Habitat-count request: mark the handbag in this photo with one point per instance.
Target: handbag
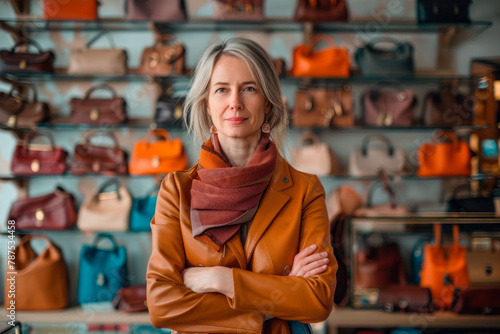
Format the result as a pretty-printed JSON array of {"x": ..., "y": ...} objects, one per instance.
[
  {"x": 297, "y": 327},
  {"x": 163, "y": 58},
  {"x": 169, "y": 110},
  {"x": 98, "y": 61},
  {"x": 444, "y": 267},
  {"x": 469, "y": 204},
  {"x": 369, "y": 160},
  {"x": 321, "y": 11},
  {"x": 397, "y": 60},
  {"x": 239, "y": 10},
  {"x": 40, "y": 280},
  {"x": 131, "y": 299},
  {"x": 407, "y": 298},
  {"x": 323, "y": 107},
  {"x": 70, "y": 9},
  {"x": 476, "y": 300},
  {"x": 483, "y": 263},
  {"x": 54, "y": 211},
  {"x": 92, "y": 159},
  {"x": 102, "y": 271},
  {"x": 388, "y": 108},
  {"x": 443, "y": 108},
  {"x": 106, "y": 211},
  {"x": 156, "y": 10},
  {"x": 315, "y": 158},
  {"x": 32, "y": 159},
  {"x": 444, "y": 158},
  {"x": 157, "y": 157},
  {"x": 91, "y": 110},
  {"x": 449, "y": 11},
  {"x": 19, "y": 62},
  {"x": 332, "y": 61},
  {"x": 143, "y": 210},
  {"x": 18, "y": 110}
]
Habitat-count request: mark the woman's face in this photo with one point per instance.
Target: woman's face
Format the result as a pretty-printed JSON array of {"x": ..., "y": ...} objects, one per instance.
[{"x": 235, "y": 101}]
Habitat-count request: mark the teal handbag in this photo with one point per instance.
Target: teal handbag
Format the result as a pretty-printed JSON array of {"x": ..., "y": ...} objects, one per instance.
[
  {"x": 297, "y": 327},
  {"x": 102, "y": 271},
  {"x": 143, "y": 210}
]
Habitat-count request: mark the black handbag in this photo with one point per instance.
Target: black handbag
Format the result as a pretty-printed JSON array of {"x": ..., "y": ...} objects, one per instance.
[
  {"x": 469, "y": 203},
  {"x": 374, "y": 60},
  {"x": 169, "y": 110},
  {"x": 443, "y": 11}
]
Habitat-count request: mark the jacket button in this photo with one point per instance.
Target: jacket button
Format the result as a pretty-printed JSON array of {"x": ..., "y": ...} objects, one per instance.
[{"x": 285, "y": 179}]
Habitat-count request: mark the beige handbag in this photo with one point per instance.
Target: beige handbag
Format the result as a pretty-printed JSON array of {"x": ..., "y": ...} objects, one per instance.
[
  {"x": 106, "y": 211},
  {"x": 98, "y": 61},
  {"x": 483, "y": 262},
  {"x": 369, "y": 161},
  {"x": 315, "y": 158}
]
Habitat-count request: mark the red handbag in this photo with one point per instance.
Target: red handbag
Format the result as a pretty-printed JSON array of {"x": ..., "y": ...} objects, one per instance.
[
  {"x": 321, "y": 10},
  {"x": 70, "y": 9},
  {"x": 131, "y": 299},
  {"x": 55, "y": 211},
  {"x": 32, "y": 159}
]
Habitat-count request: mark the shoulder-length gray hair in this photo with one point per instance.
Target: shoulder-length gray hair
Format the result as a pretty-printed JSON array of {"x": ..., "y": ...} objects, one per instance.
[{"x": 261, "y": 66}]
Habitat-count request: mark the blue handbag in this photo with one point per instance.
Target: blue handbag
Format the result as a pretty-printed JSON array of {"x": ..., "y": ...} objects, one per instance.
[
  {"x": 102, "y": 271},
  {"x": 143, "y": 210},
  {"x": 297, "y": 327}
]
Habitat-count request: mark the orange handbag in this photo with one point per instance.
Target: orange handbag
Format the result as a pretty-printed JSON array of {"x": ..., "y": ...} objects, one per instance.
[
  {"x": 438, "y": 158},
  {"x": 70, "y": 10},
  {"x": 332, "y": 61},
  {"x": 444, "y": 268},
  {"x": 157, "y": 157}
]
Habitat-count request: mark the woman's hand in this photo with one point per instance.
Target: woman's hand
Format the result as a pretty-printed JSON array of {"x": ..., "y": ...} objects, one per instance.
[
  {"x": 209, "y": 279},
  {"x": 306, "y": 263}
]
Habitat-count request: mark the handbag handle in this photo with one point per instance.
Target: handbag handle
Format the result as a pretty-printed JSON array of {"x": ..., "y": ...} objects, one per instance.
[
  {"x": 108, "y": 134},
  {"x": 383, "y": 139},
  {"x": 437, "y": 234},
  {"x": 27, "y": 42},
  {"x": 157, "y": 133},
  {"x": 447, "y": 135},
  {"x": 102, "y": 236},
  {"x": 307, "y": 135},
  {"x": 318, "y": 38},
  {"x": 100, "y": 87},
  {"x": 372, "y": 44},
  {"x": 29, "y": 237},
  {"x": 98, "y": 36},
  {"x": 384, "y": 182},
  {"x": 17, "y": 85},
  {"x": 111, "y": 182},
  {"x": 32, "y": 135}
]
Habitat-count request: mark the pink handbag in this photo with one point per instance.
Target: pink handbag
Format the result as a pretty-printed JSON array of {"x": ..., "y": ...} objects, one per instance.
[
  {"x": 316, "y": 158},
  {"x": 389, "y": 108}
]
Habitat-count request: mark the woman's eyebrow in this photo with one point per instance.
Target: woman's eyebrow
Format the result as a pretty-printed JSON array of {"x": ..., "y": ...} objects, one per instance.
[{"x": 227, "y": 83}]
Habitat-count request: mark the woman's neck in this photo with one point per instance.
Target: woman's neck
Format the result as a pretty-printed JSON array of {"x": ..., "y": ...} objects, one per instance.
[{"x": 239, "y": 151}]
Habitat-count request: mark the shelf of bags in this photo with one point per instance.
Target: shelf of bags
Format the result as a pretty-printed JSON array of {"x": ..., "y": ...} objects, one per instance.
[
  {"x": 64, "y": 124},
  {"x": 408, "y": 177},
  {"x": 461, "y": 129},
  {"x": 38, "y": 24},
  {"x": 61, "y": 74},
  {"x": 347, "y": 317},
  {"x": 78, "y": 315}
]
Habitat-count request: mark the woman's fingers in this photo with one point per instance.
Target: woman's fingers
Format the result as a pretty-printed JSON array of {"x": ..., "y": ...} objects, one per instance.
[
  {"x": 307, "y": 263},
  {"x": 315, "y": 267}
]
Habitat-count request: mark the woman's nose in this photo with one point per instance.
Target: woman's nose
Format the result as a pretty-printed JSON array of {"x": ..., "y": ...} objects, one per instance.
[{"x": 235, "y": 103}]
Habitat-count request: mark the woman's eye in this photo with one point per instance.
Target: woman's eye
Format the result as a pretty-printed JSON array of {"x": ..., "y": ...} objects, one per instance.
[
  {"x": 220, "y": 90},
  {"x": 250, "y": 89}
]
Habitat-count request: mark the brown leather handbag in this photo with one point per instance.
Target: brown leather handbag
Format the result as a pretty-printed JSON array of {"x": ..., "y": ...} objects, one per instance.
[
  {"x": 32, "y": 159},
  {"x": 156, "y": 10},
  {"x": 131, "y": 299},
  {"x": 18, "y": 62},
  {"x": 239, "y": 10},
  {"x": 405, "y": 298},
  {"x": 54, "y": 211},
  {"x": 321, "y": 10},
  {"x": 323, "y": 107},
  {"x": 92, "y": 159},
  {"x": 166, "y": 57},
  {"x": 92, "y": 110},
  {"x": 445, "y": 108},
  {"x": 476, "y": 300},
  {"x": 18, "y": 110},
  {"x": 40, "y": 280}
]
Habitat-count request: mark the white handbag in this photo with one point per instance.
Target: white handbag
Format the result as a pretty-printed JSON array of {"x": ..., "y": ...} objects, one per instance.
[
  {"x": 315, "y": 158},
  {"x": 370, "y": 160},
  {"x": 106, "y": 211}
]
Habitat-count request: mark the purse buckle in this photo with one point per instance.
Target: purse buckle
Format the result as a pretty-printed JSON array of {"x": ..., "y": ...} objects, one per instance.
[
  {"x": 35, "y": 166},
  {"x": 39, "y": 217},
  {"x": 156, "y": 162},
  {"x": 154, "y": 60},
  {"x": 100, "y": 279},
  {"x": 96, "y": 166},
  {"x": 11, "y": 121},
  {"x": 23, "y": 64},
  {"x": 94, "y": 114}
]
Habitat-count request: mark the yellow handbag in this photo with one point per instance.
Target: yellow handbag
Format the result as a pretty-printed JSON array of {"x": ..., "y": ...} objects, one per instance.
[{"x": 157, "y": 157}]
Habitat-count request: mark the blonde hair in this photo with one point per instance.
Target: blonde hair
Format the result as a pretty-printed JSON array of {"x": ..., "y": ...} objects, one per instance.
[{"x": 260, "y": 64}]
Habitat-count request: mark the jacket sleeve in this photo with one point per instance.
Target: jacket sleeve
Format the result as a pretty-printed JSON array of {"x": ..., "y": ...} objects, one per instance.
[
  {"x": 171, "y": 304},
  {"x": 294, "y": 298}
]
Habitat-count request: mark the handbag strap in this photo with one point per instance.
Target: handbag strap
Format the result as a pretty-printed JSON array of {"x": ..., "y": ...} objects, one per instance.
[
  {"x": 102, "y": 236},
  {"x": 17, "y": 85},
  {"x": 318, "y": 38},
  {"x": 29, "y": 237},
  {"x": 27, "y": 42},
  {"x": 91, "y": 134},
  {"x": 437, "y": 234},
  {"x": 98, "y": 36},
  {"x": 377, "y": 137},
  {"x": 373, "y": 42},
  {"x": 157, "y": 133},
  {"x": 383, "y": 181},
  {"x": 446, "y": 135},
  {"x": 100, "y": 87},
  {"x": 32, "y": 135},
  {"x": 107, "y": 184}
]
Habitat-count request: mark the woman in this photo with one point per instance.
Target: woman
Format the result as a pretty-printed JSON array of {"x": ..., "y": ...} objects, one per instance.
[{"x": 241, "y": 240}]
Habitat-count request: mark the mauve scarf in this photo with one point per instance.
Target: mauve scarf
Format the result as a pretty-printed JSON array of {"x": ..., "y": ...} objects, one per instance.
[{"x": 224, "y": 197}]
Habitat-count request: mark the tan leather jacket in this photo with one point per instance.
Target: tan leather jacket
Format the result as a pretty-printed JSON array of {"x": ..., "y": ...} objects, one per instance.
[{"x": 292, "y": 215}]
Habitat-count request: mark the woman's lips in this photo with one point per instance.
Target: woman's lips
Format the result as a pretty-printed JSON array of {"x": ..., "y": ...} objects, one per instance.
[{"x": 236, "y": 120}]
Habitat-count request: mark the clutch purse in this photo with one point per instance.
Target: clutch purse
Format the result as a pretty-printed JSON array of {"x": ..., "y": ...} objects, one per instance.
[
  {"x": 92, "y": 110},
  {"x": 404, "y": 298},
  {"x": 19, "y": 62},
  {"x": 18, "y": 110}
]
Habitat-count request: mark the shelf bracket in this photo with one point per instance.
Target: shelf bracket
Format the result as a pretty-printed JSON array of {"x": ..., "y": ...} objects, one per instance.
[{"x": 444, "y": 49}]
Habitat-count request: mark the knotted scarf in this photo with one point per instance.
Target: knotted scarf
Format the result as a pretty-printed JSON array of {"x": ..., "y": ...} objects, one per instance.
[{"x": 224, "y": 197}]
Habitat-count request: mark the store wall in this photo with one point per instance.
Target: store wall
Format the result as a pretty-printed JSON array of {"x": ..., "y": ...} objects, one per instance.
[{"x": 141, "y": 98}]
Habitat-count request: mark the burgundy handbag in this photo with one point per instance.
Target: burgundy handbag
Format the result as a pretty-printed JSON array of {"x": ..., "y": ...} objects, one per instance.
[
  {"x": 388, "y": 108},
  {"x": 16, "y": 62},
  {"x": 55, "y": 211},
  {"x": 156, "y": 10},
  {"x": 444, "y": 108},
  {"x": 131, "y": 299},
  {"x": 103, "y": 111},
  {"x": 17, "y": 110},
  {"x": 405, "y": 298},
  {"x": 321, "y": 10},
  {"x": 476, "y": 300},
  {"x": 32, "y": 159},
  {"x": 92, "y": 159},
  {"x": 239, "y": 10}
]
